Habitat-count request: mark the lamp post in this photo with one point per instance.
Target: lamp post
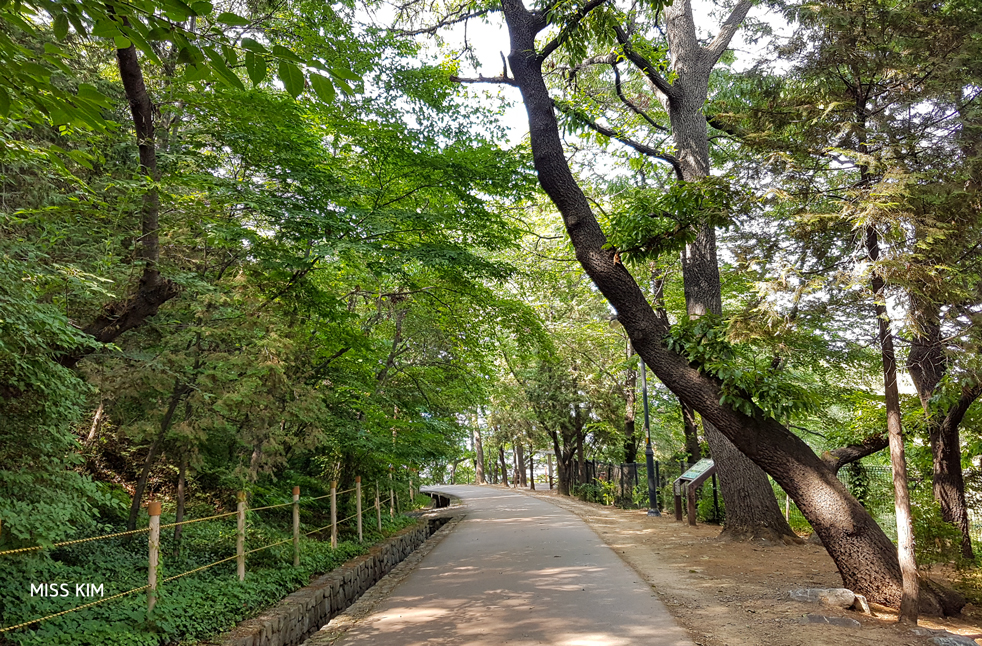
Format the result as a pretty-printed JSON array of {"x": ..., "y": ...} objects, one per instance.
[{"x": 649, "y": 453}]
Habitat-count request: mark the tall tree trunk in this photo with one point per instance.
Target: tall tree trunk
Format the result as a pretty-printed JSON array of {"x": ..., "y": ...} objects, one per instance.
[
  {"x": 520, "y": 464},
  {"x": 562, "y": 468},
  {"x": 478, "y": 453},
  {"x": 630, "y": 402},
  {"x": 905, "y": 525},
  {"x": 181, "y": 484},
  {"x": 865, "y": 557},
  {"x": 531, "y": 468},
  {"x": 691, "y": 431},
  {"x": 141, "y": 484},
  {"x": 153, "y": 290},
  {"x": 927, "y": 365},
  {"x": 504, "y": 465}
]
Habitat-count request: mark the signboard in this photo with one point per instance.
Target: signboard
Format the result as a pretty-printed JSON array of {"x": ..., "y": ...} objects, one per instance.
[
  {"x": 692, "y": 478},
  {"x": 697, "y": 469}
]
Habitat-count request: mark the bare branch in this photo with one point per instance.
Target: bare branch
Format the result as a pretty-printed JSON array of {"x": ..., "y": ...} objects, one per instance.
[
  {"x": 452, "y": 19},
  {"x": 500, "y": 80},
  {"x": 838, "y": 458},
  {"x": 716, "y": 48},
  {"x": 637, "y": 146},
  {"x": 643, "y": 64},
  {"x": 568, "y": 28},
  {"x": 633, "y": 108}
]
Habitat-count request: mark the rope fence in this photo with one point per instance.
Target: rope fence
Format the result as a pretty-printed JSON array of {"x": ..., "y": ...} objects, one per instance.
[{"x": 154, "y": 509}]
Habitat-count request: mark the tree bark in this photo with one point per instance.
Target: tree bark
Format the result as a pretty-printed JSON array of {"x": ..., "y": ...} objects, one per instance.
[
  {"x": 141, "y": 484},
  {"x": 478, "y": 454},
  {"x": 905, "y": 525},
  {"x": 504, "y": 465},
  {"x": 521, "y": 476},
  {"x": 153, "y": 290},
  {"x": 531, "y": 468},
  {"x": 181, "y": 483},
  {"x": 691, "y": 431},
  {"x": 865, "y": 557},
  {"x": 96, "y": 422}
]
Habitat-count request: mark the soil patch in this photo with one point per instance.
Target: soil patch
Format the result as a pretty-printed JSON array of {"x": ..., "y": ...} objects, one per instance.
[{"x": 736, "y": 594}]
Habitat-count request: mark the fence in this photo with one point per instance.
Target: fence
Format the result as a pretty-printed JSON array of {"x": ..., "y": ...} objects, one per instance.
[{"x": 153, "y": 543}]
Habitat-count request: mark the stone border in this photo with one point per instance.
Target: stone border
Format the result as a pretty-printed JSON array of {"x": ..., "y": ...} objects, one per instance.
[
  {"x": 366, "y": 605},
  {"x": 303, "y": 612}
]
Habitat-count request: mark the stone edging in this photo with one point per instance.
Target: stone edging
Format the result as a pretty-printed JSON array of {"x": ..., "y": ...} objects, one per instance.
[
  {"x": 365, "y": 606},
  {"x": 299, "y": 614}
]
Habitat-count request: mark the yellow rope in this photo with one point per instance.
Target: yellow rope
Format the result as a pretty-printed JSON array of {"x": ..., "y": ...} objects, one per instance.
[
  {"x": 198, "y": 569},
  {"x": 65, "y": 612},
  {"x": 271, "y": 507},
  {"x": 81, "y": 540},
  {"x": 198, "y": 520}
]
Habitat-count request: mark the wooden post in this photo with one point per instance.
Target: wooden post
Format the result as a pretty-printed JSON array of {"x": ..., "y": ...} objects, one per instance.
[
  {"x": 296, "y": 527},
  {"x": 392, "y": 496},
  {"x": 358, "y": 505},
  {"x": 154, "y": 509},
  {"x": 787, "y": 507},
  {"x": 412, "y": 495},
  {"x": 690, "y": 491},
  {"x": 378, "y": 507},
  {"x": 334, "y": 514},
  {"x": 549, "y": 462},
  {"x": 240, "y": 536}
]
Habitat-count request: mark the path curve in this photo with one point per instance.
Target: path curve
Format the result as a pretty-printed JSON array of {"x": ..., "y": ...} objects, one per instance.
[{"x": 519, "y": 570}]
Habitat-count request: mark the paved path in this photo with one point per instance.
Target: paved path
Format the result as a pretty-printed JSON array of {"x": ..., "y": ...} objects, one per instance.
[{"x": 519, "y": 570}]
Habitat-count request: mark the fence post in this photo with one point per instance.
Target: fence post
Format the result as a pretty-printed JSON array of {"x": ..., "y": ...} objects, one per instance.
[
  {"x": 240, "y": 536},
  {"x": 358, "y": 504},
  {"x": 787, "y": 507},
  {"x": 334, "y": 514},
  {"x": 378, "y": 507},
  {"x": 412, "y": 495},
  {"x": 154, "y": 509},
  {"x": 296, "y": 527},
  {"x": 549, "y": 463}
]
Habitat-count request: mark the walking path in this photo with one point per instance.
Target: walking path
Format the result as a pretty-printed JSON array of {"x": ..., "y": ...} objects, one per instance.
[{"x": 519, "y": 570}]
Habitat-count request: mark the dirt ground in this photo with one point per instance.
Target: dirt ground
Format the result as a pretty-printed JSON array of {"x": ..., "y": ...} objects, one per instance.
[{"x": 736, "y": 594}]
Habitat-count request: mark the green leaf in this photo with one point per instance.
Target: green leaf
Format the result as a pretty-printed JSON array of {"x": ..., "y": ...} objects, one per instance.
[
  {"x": 4, "y": 102},
  {"x": 122, "y": 42},
  {"x": 340, "y": 72},
  {"x": 292, "y": 78},
  {"x": 256, "y": 67},
  {"x": 282, "y": 52},
  {"x": 60, "y": 26},
  {"x": 232, "y": 20},
  {"x": 254, "y": 46},
  {"x": 224, "y": 73},
  {"x": 202, "y": 8},
  {"x": 323, "y": 88}
]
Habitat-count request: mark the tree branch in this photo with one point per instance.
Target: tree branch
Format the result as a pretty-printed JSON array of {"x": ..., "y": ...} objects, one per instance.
[
  {"x": 635, "y": 109},
  {"x": 716, "y": 48},
  {"x": 643, "y": 64},
  {"x": 452, "y": 19},
  {"x": 840, "y": 457},
  {"x": 500, "y": 80},
  {"x": 568, "y": 28},
  {"x": 637, "y": 146}
]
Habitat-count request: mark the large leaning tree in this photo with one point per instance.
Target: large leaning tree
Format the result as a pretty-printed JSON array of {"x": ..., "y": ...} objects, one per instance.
[{"x": 865, "y": 556}]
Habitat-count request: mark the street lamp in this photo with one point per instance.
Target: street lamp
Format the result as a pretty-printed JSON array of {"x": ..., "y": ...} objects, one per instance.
[{"x": 649, "y": 453}]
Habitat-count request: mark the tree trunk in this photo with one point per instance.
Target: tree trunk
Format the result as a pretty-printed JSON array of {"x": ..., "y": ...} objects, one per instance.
[
  {"x": 905, "y": 525},
  {"x": 522, "y": 479},
  {"x": 531, "y": 469},
  {"x": 865, "y": 557},
  {"x": 691, "y": 431},
  {"x": 151, "y": 459},
  {"x": 504, "y": 465},
  {"x": 630, "y": 402},
  {"x": 96, "y": 422},
  {"x": 181, "y": 483},
  {"x": 478, "y": 454}
]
